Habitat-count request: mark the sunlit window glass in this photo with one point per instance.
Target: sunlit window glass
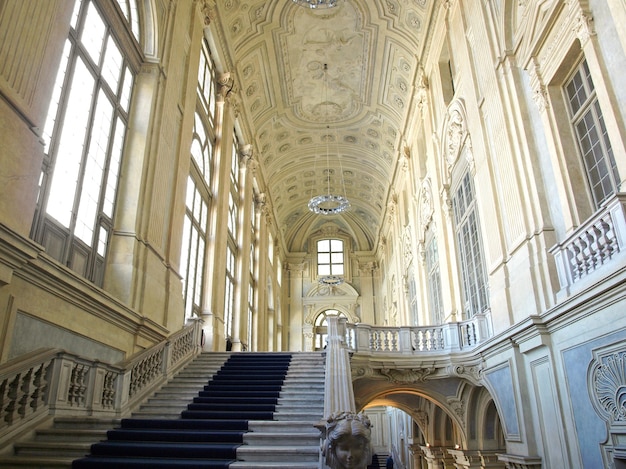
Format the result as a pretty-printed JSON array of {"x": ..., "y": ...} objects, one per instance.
[{"x": 84, "y": 135}]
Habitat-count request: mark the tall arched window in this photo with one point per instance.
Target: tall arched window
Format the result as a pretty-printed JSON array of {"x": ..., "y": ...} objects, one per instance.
[
  {"x": 591, "y": 134},
  {"x": 84, "y": 137},
  {"x": 199, "y": 189},
  {"x": 435, "y": 293},
  {"x": 470, "y": 250},
  {"x": 232, "y": 248}
]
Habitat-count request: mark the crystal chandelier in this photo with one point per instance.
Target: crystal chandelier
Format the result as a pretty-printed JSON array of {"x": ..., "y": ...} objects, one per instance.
[
  {"x": 330, "y": 280},
  {"x": 329, "y": 203},
  {"x": 316, "y": 3}
]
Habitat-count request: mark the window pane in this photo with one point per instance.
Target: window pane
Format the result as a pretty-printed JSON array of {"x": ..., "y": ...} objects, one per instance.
[
  {"x": 323, "y": 269},
  {"x": 93, "y": 33},
  {"x": 65, "y": 176},
  {"x": 115, "y": 161},
  {"x": 576, "y": 93},
  {"x": 336, "y": 245},
  {"x": 94, "y": 169},
  {"x": 336, "y": 258},
  {"x": 112, "y": 67},
  {"x": 126, "y": 89},
  {"x": 56, "y": 96},
  {"x": 75, "y": 13},
  {"x": 196, "y": 153},
  {"x": 103, "y": 239}
]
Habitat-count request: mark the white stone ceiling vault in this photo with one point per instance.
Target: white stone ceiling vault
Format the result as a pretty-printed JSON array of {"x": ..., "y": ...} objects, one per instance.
[{"x": 304, "y": 125}]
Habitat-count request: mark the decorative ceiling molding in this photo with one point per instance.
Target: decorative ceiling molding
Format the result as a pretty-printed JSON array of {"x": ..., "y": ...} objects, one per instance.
[{"x": 276, "y": 52}]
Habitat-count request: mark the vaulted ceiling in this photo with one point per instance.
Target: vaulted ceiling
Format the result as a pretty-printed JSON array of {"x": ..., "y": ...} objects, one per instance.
[{"x": 327, "y": 95}]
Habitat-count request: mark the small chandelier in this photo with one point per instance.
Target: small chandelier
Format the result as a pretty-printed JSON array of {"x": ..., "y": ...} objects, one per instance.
[
  {"x": 329, "y": 204},
  {"x": 330, "y": 280},
  {"x": 321, "y": 4}
]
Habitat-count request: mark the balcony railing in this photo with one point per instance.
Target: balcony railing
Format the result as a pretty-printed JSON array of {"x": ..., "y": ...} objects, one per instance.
[
  {"x": 602, "y": 239},
  {"x": 445, "y": 338},
  {"x": 60, "y": 383}
]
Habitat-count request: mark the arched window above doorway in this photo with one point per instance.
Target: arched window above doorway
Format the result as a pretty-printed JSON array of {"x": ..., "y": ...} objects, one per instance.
[{"x": 330, "y": 257}]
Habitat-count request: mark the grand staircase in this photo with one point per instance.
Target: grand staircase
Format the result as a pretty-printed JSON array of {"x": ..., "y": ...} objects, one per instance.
[{"x": 178, "y": 422}]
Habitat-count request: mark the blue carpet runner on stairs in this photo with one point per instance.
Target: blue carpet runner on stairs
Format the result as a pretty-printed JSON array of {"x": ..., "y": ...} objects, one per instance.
[{"x": 208, "y": 433}]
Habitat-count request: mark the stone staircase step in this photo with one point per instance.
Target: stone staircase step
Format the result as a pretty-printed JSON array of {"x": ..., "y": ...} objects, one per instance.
[
  {"x": 297, "y": 416},
  {"x": 48, "y": 462},
  {"x": 49, "y": 448},
  {"x": 286, "y": 453},
  {"x": 85, "y": 423},
  {"x": 277, "y": 426},
  {"x": 274, "y": 439},
  {"x": 290, "y": 441},
  {"x": 274, "y": 465},
  {"x": 53, "y": 434}
]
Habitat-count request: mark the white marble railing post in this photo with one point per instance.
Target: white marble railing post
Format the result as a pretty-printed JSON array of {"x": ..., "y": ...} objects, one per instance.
[
  {"x": 338, "y": 393},
  {"x": 405, "y": 344},
  {"x": 451, "y": 337}
]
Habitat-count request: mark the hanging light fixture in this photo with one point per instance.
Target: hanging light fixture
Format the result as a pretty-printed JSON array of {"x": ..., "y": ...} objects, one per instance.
[
  {"x": 329, "y": 203},
  {"x": 321, "y": 4},
  {"x": 330, "y": 280}
]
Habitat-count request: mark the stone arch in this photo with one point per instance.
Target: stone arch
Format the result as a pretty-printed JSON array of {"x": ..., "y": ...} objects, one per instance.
[
  {"x": 148, "y": 26},
  {"x": 430, "y": 412},
  {"x": 341, "y": 297}
]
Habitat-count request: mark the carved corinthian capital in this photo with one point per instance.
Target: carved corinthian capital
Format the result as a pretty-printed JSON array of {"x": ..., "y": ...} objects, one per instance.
[
  {"x": 208, "y": 10},
  {"x": 584, "y": 27}
]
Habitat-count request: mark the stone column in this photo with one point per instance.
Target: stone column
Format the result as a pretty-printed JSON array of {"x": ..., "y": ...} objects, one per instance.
[
  {"x": 296, "y": 308},
  {"x": 417, "y": 457},
  {"x": 240, "y": 309},
  {"x": 219, "y": 220},
  {"x": 368, "y": 300}
]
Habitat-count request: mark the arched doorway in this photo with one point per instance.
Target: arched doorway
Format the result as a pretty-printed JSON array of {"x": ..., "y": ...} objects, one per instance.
[{"x": 320, "y": 327}]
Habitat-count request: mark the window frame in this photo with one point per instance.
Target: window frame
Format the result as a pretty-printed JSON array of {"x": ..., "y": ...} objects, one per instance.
[
  {"x": 202, "y": 175},
  {"x": 330, "y": 253},
  {"x": 590, "y": 106},
  {"x": 433, "y": 280},
  {"x": 78, "y": 232},
  {"x": 473, "y": 275}
]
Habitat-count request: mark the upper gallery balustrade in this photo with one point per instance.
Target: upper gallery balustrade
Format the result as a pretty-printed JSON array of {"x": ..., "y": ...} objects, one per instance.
[
  {"x": 441, "y": 339},
  {"x": 594, "y": 244}
]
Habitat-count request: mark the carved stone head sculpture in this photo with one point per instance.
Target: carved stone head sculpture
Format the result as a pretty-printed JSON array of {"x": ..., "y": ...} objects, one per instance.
[{"x": 348, "y": 441}]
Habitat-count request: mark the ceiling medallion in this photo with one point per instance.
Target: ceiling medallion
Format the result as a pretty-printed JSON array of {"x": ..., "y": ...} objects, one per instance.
[
  {"x": 316, "y": 3},
  {"x": 330, "y": 280}
]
